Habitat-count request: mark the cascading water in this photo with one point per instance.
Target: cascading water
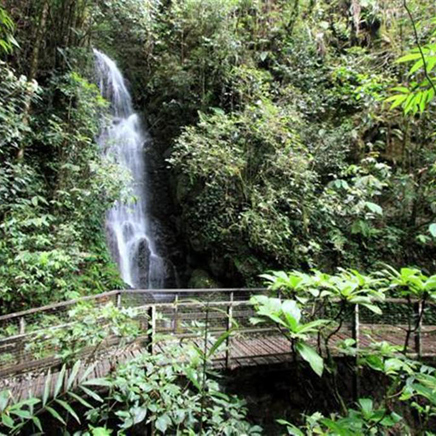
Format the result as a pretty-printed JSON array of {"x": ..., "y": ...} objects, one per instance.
[{"x": 128, "y": 225}]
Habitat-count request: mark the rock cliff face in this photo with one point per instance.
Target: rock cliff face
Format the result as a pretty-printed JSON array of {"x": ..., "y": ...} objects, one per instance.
[
  {"x": 163, "y": 215},
  {"x": 188, "y": 264}
]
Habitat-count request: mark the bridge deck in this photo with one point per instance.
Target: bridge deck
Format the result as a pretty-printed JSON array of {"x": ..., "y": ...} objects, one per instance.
[{"x": 246, "y": 352}]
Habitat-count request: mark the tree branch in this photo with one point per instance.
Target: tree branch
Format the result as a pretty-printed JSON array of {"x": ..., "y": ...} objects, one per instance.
[{"x": 415, "y": 31}]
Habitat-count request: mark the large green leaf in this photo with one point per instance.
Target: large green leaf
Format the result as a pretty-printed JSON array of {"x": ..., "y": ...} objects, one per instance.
[
  {"x": 311, "y": 357},
  {"x": 367, "y": 407},
  {"x": 290, "y": 309},
  {"x": 336, "y": 428},
  {"x": 374, "y": 208},
  {"x": 4, "y": 399},
  {"x": 101, "y": 431},
  {"x": 373, "y": 308},
  {"x": 409, "y": 57},
  {"x": 46, "y": 389},
  {"x": 7, "y": 420},
  {"x": 291, "y": 428},
  {"x": 59, "y": 381},
  {"x": 92, "y": 394},
  {"x": 36, "y": 421},
  {"x": 73, "y": 374},
  {"x": 163, "y": 422},
  {"x": 55, "y": 415},
  {"x": 219, "y": 342},
  {"x": 80, "y": 400},
  {"x": 102, "y": 382},
  {"x": 312, "y": 326},
  {"x": 69, "y": 409}
]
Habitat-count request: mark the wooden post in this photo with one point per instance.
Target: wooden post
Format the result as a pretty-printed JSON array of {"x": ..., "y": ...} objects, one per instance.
[
  {"x": 176, "y": 314},
  {"x": 356, "y": 325},
  {"x": 22, "y": 325},
  {"x": 151, "y": 328},
  {"x": 356, "y": 337},
  {"x": 22, "y": 344},
  {"x": 119, "y": 300},
  {"x": 418, "y": 320},
  {"x": 228, "y": 327}
]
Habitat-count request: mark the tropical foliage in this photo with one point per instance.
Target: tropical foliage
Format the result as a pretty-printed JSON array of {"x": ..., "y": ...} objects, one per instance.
[
  {"x": 297, "y": 154},
  {"x": 173, "y": 393},
  {"x": 409, "y": 382},
  {"x": 290, "y": 136}
]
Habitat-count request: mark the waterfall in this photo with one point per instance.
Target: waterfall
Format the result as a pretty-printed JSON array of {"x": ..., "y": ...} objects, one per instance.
[{"x": 129, "y": 229}]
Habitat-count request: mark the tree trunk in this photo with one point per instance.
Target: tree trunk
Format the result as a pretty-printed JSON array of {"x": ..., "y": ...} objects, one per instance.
[
  {"x": 39, "y": 36},
  {"x": 34, "y": 61}
]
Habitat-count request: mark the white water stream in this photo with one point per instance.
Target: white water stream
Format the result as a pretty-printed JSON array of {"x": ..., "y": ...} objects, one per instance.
[{"x": 128, "y": 225}]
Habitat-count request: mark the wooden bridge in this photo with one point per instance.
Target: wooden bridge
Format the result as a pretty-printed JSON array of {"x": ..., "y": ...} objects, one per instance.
[{"x": 36, "y": 340}]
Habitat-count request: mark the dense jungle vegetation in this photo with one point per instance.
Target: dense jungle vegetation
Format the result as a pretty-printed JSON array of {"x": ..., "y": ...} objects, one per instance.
[
  {"x": 293, "y": 135},
  {"x": 282, "y": 146}
]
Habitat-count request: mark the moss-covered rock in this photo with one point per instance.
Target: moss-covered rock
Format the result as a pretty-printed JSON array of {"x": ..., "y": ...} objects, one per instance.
[{"x": 201, "y": 279}]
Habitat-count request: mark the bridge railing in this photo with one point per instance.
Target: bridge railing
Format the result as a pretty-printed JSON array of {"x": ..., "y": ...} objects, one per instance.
[
  {"x": 180, "y": 315},
  {"x": 25, "y": 346}
]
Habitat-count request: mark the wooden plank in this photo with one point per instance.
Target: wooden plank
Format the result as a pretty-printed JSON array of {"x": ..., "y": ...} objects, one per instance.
[
  {"x": 278, "y": 345},
  {"x": 281, "y": 357},
  {"x": 53, "y": 361},
  {"x": 274, "y": 358},
  {"x": 250, "y": 352},
  {"x": 245, "y": 352}
]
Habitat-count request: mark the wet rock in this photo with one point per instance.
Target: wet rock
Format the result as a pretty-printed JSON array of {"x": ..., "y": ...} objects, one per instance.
[{"x": 142, "y": 261}]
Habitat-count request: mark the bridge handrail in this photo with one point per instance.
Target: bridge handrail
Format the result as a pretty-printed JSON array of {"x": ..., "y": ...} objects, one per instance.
[{"x": 117, "y": 293}]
